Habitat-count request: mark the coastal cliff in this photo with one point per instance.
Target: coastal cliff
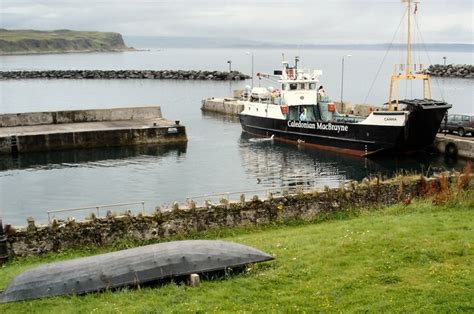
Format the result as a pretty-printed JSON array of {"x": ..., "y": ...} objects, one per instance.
[{"x": 59, "y": 41}]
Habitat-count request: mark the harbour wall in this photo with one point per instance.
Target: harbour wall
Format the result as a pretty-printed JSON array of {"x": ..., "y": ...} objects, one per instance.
[
  {"x": 226, "y": 106},
  {"x": 125, "y": 74},
  {"x": 454, "y": 146},
  {"x": 77, "y": 116},
  {"x": 182, "y": 221},
  {"x": 49, "y": 131}
]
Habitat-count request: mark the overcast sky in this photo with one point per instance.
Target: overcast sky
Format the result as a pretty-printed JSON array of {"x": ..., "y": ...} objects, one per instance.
[{"x": 292, "y": 21}]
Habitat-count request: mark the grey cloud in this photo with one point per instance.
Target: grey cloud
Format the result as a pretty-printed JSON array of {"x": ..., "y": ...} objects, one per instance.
[{"x": 299, "y": 21}]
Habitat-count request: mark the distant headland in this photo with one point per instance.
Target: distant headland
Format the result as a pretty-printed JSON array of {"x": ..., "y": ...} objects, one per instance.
[{"x": 58, "y": 41}]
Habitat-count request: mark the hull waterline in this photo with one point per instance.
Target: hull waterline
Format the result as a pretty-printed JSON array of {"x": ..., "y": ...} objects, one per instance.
[
  {"x": 423, "y": 120},
  {"x": 358, "y": 140}
]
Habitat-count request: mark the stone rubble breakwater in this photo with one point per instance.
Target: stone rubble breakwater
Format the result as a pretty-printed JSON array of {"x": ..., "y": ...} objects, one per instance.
[
  {"x": 125, "y": 74},
  {"x": 451, "y": 70}
]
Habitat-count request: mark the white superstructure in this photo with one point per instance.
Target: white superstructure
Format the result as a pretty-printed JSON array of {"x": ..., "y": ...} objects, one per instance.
[{"x": 300, "y": 97}]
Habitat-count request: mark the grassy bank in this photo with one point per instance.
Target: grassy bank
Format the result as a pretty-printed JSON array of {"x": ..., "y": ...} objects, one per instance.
[
  {"x": 33, "y": 41},
  {"x": 402, "y": 258}
]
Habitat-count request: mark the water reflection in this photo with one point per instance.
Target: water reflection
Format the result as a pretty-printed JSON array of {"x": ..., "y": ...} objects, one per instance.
[
  {"x": 93, "y": 157},
  {"x": 275, "y": 164}
]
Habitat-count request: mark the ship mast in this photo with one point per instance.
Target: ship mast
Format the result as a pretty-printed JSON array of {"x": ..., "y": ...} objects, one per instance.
[
  {"x": 408, "y": 70},
  {"x": 409, "y": 75}
]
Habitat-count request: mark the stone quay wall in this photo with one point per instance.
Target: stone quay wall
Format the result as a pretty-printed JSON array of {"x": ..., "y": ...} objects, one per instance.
[
  {"x": 78, "y": 116},
  {"x": 451, "y": 70},
  {"x": 125, "y": 74},
  {"x": 57, "y": 236}
]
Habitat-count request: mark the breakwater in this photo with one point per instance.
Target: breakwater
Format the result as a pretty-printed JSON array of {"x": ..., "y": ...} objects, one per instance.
[
  {"x": 125, "y": 74},
  {"x": 451, "y": 70},
  {"x": 182, "y": 220}
]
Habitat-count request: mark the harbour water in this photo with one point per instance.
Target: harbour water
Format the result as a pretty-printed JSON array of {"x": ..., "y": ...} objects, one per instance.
[{"x": 218, "y": 157}]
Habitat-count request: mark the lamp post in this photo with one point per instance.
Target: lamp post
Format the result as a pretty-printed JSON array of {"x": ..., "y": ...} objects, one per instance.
[
  {"x": 251, "y": 54},
  {"x": 444, "y": 59},
  {"x": 230, "y": 65},
  {"x": 342, "y": 82}
]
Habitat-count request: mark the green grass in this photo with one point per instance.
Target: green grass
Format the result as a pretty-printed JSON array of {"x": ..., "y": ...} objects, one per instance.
[{"x": 399, "y": 259}]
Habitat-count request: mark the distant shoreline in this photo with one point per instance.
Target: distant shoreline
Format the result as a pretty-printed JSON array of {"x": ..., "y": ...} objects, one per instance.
[
  {"x": 32, "y": 42},
  {"x": 26, "y": 53}
]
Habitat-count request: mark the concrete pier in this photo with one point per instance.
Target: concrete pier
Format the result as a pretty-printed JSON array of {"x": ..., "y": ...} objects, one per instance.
[
  {"x": 227, "y": 106},
  {"x": 46, "y": 131},
  {"x": 454, "y": 146}
]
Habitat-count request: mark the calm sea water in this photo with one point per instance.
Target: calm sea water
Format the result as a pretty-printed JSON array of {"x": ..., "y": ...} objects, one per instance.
[{"x": 218, "y": 157}]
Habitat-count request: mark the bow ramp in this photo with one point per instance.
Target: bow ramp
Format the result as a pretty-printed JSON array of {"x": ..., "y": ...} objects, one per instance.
[{"x": 129, "y": 267}]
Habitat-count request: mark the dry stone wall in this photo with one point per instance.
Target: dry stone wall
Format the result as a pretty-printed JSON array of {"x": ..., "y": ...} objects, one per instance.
[{"x": 34, "y": 240}]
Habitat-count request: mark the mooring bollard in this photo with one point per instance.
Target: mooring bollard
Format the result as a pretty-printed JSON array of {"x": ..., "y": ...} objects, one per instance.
[
  {"x": 194, "y": 280},
  {"x": 3, "y": 245}
]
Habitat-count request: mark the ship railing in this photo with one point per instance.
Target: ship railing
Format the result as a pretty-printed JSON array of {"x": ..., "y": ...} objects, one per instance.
[{"x": 96, "y": 208}]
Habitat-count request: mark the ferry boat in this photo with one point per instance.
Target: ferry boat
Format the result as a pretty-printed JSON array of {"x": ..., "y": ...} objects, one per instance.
[{"x": 300, "y": 112}]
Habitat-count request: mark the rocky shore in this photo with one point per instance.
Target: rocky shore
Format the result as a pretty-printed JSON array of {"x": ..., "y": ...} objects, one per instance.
[
  {"x": 451, "y": 70},
  {"x": 125, "y": 74}
]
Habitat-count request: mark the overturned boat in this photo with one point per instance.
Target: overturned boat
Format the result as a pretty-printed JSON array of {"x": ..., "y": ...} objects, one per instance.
[
  {"x": 129, "y": 268},
  {"x": 300, "y": 112}
]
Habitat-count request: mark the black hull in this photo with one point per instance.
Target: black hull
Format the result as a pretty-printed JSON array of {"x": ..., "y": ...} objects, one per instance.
[
  {"x": 420, "y": 130},
  {"x": 423, "y": 123},
  {"x": 358, "y": 140}
]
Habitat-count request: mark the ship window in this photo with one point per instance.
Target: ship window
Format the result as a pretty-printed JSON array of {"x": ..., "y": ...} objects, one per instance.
[
  {"x": 310, "y": 112},
  {"x": 284, "y": 86},
  {"x": 302, "y": 86},
  {"x": 293, "y": 86},
  {"x": 294, "y": 113},
  {"x": 312, "y": 86}
]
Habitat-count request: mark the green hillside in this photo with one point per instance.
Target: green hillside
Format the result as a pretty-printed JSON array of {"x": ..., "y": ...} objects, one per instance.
[{"x": 32, "y": 41}]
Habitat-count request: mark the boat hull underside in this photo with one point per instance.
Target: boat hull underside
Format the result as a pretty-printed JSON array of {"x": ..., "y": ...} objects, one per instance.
[{"x": 129, "y": 267}]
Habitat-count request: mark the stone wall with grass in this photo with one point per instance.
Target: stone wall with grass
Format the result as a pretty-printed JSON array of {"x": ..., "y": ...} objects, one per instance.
[{"x": 308, "y": 206}]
